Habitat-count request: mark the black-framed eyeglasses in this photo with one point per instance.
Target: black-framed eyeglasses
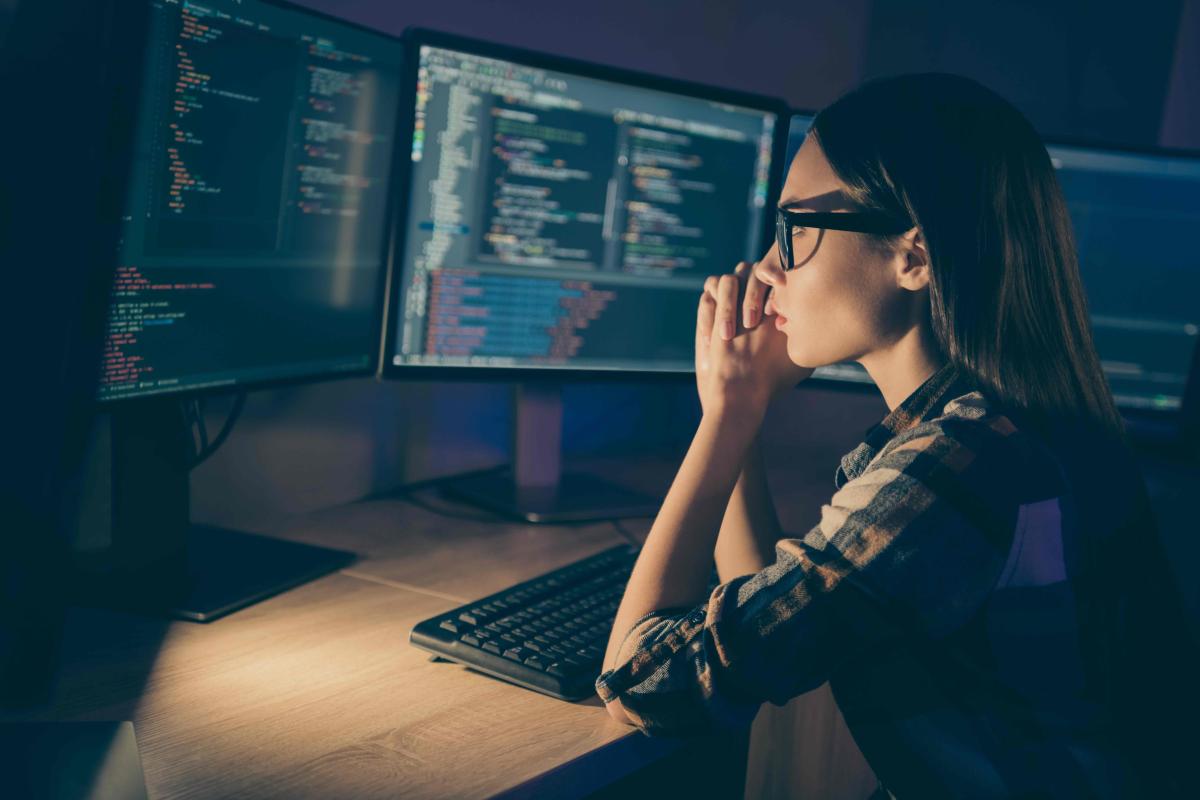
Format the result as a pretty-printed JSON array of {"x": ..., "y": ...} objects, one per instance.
[{"x": 793, "y": 225}]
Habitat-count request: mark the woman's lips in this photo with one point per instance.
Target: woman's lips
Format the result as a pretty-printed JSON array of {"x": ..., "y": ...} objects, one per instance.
[{"x": 780, "y": 321}]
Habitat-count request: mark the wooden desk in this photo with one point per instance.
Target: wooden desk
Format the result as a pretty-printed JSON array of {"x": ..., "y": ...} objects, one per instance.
[{"x": 317, "y": 693}]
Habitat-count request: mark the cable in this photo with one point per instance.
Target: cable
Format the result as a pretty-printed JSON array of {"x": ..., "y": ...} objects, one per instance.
[
  {"x": 408, "y": 493},
  {"x": 419, "y": 502},
  {"x": 208, "y": 448},
  {"x": 201, "y": 424},
  {"x": 187, "y": 409},
  {"x": 625, "y": 533}
]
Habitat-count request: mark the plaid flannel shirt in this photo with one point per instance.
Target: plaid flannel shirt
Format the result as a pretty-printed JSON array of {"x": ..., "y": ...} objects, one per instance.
[{"x": 939, "y": 595}]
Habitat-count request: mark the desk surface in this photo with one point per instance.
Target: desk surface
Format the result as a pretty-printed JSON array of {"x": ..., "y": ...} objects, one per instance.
[{"x": 317, "y": 693}]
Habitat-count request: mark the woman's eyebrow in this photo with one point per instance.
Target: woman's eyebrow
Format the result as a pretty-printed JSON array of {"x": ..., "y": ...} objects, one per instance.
[{"x": 827, "y": 201}]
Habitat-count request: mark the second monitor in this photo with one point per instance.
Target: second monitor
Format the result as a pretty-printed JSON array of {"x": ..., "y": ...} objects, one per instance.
[{"x": 564, "y": 216}]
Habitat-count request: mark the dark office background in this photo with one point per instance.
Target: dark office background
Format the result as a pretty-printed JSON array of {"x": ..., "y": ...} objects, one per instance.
[
  {"x": 1091, "y": 70},
  {"x": 1100, "y": 71}
]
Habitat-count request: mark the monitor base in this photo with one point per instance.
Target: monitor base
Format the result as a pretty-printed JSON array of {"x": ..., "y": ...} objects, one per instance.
[
  {"x": 575, "y": 498},
  {"x": 219, "y": 572}
]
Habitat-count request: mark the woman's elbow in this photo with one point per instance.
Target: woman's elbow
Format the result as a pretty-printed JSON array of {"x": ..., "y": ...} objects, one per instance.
[{"x": 618, "y": 712}]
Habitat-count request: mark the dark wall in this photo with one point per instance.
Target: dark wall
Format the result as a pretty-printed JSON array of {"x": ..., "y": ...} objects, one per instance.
[
  {"x": 1091, "y": 69},
  {"x": 1095, "y": 69},
  {"x": 806, "y": 52}
]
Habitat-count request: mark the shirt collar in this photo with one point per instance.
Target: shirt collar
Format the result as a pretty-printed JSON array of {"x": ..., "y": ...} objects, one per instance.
[{"x": 925, "y": 403}]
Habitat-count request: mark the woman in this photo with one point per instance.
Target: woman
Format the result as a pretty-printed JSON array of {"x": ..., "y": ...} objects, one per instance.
[{"x": 988, "y": 556}]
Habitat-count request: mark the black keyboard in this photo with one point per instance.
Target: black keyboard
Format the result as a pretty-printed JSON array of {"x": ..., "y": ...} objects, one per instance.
[{"x": 547, "y": 634}]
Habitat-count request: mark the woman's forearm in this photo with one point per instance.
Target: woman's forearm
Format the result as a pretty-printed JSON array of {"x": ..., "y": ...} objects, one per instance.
[
  {"x": 750, "y": 528},
  {"x": 677, "y": 559}
]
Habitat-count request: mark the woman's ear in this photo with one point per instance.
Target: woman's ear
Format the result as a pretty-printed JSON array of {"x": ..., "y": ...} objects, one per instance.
[{"x": 913, "y": 263}]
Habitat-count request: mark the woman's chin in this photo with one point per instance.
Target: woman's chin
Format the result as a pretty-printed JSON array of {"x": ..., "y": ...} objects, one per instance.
[{"x": 807, "y": 359}]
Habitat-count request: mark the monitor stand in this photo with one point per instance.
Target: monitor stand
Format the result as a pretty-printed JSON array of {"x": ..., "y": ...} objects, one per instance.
[
  {"x": 535, "y": 488},
  {"x": 136, "y": 547}
]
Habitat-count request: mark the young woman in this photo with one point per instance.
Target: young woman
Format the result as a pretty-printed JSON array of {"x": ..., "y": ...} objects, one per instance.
[{"x": 984, "y": 591}]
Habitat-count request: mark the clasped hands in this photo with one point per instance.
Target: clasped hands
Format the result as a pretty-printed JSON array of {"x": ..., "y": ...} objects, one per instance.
[{"x": 740, "y": 368}]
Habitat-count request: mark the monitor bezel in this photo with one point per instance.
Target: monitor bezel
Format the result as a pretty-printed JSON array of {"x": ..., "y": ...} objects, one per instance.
[
  {"x": 391, "y": 210},
  {"x": 414, "y": 39}
]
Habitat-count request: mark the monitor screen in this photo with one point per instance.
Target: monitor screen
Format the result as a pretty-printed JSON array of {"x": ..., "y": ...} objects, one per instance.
[
  {"x": 256, "y": 221},
  {"x": 1134, "y": 217},
  {"x": 797, "y": 131},
  {"x": 561, "y": 219}
]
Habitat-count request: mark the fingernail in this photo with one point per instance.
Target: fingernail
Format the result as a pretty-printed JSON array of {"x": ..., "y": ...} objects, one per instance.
[{"x": 728, "y": 330}]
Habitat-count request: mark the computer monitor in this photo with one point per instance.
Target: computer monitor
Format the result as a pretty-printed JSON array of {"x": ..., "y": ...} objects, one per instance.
[
  {"x": 256, "y": 230},
  {"x": 1134, "y": 215},
  {"x": 561, "y": 217},
  {"x": 254, "y": 246}
]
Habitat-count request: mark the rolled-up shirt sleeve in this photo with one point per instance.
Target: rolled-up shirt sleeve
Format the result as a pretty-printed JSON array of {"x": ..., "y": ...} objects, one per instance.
[{"x": 882, "y": 544}]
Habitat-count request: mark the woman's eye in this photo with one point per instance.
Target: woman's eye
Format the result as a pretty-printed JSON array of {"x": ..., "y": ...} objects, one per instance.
[{"x": 798, "y": 231}]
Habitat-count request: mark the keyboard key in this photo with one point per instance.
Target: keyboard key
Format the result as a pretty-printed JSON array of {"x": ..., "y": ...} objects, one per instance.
[
  {"x": 492, "y": 647},
  {"x": 557, "y": 669},
  {"x": 470, "y": 639},
  {"x": 536, "y": 662},
  {"x": 517, "y": 653},
  {"x": 450, "y": 625}
]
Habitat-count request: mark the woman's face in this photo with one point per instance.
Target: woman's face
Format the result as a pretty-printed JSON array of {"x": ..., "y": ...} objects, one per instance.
[{"x": 842, "y": 299}]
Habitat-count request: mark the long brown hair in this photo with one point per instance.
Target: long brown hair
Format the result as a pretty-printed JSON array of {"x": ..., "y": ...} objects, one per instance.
[{"x": 1006, "y": 300}]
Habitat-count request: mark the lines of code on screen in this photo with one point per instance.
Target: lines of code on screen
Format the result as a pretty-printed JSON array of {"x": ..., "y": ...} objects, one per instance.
[
  {"x": 558, "y": 220},
  {"x": 255, "y": 225}
]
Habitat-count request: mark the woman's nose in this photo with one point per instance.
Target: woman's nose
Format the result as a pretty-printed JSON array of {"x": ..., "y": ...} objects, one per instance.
[{"x": 768, "y": 271}]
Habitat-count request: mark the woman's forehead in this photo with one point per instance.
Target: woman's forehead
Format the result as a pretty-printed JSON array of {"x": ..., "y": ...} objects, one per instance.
[{"x": 811, "y": 184}]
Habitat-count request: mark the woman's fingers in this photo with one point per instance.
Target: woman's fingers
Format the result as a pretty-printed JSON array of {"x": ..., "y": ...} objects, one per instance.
[
  {"x": 727, "y": 303},
  {"x": 732, "y": 293},
  {"x": 752, "y": 305},
  {"x": 705, "y": 315}
]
